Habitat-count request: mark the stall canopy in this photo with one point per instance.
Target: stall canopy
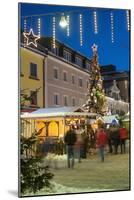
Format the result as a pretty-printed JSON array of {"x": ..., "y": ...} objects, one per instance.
[
  {"x": 57, "y": 112},
  {"x": 110, "y": 119}
]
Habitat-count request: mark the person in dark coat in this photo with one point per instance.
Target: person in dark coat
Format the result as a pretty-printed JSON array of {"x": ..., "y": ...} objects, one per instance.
[
  {"x": 109, "y": 140},
  {"x": 70, "y": 139},
  {"x": 115, "y": 138},
  {"x": 123, "y": 136}
]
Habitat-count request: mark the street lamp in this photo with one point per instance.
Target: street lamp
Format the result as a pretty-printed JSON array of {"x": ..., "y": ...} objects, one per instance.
[{"x": 63, "y": 22}]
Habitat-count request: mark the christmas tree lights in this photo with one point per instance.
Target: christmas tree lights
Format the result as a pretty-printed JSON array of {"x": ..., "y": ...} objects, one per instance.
[{"x": 96, "y": 101}]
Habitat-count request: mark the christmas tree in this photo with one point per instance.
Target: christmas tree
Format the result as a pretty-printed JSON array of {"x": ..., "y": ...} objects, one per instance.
[{"x": 96, "y": 101}]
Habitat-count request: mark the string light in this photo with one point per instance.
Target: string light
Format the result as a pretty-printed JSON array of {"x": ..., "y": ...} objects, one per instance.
[
  {"x": 39, "y": 27},
  {"x": 128, "y": 20},
  {"x": 68, "y": 25},
  {"x": 53, "y": 44},
  {"x": 95, "y": 22},
  {"x": 25, "y": 30},
  {"x": 81, "y": 30},
  {"x": 112, "y": 27}
]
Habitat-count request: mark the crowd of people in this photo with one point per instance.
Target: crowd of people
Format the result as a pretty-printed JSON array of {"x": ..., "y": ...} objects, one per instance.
[{"x": 80, "y": 144}]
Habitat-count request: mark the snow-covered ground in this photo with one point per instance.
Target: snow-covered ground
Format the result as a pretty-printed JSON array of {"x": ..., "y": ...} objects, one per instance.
[{"x": 60, "y": 189}]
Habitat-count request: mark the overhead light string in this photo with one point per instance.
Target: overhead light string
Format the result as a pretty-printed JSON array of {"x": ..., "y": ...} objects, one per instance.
[
  {"x": 81, "y": 29},
  {"x": 39, "y": 27},
  {"x": 68, "y": 25},
  {"x": 53, "y": 27},
  {"x": 95, "y": 22},
  {"x": 128, "y": 19},
  {"x": 25, "y": 30},
  {"x": 112, "y": 26}
]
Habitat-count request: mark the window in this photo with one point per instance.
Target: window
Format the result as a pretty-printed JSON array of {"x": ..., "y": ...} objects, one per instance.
[
  {"x": 87, "y": 83},
  {"x": 33, "y": 99},
  {"x": 65, "y": 101},
  {"x": 67, "y": 55},
  {"x": 88, "y": 65},
  {"x": 73, "y": 101},
  {"x": 78, "y": 61},
  {"x": 81, "y": 101},
  {"x": 80, "y": 82},
  {"x": 55, "y": 50},
  {"x": 56, "y": 99},
  {"x": 33, "y": 70},
  {"x": 73, "y": 79},
  {"x": 55, "y": 73},
  {"x": 65, "y": 76}
]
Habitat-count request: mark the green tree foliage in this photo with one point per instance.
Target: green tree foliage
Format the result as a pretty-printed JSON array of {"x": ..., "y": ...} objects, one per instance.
[
  {"x": 96, "y": 101},
  {"x": 34, "y": 176}
]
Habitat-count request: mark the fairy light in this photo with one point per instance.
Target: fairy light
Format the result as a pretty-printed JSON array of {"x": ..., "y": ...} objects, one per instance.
[
  {"x": 39, "y": 27},
  {"x": 112, "y": 27},
  {"x": 68, "y": 25},
  {"x": 25, "y": 30},
  {"x": 95, "y": 22},
  {"x": 81, "y": 30},
  {"x": 128, "y": 20},
  {"x": 53, "y": 44}
]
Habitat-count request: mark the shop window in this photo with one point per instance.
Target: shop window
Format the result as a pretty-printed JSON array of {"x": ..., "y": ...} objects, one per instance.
[
  {"x": 53, "y": 129},
  {"x": 41, "y": 129}
]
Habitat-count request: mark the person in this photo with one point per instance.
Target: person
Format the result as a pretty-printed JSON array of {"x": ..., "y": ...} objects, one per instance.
[
  {"x": 109, "y": 140},
  {"x": 101, "y": 141},
  {"x": 78, "y": 144},
  {"x": 115, "y": 138},
  {"x": 70, "y": 139},
  {"x": 123, "y": 136},
  {"x": 92, "y": 140}
]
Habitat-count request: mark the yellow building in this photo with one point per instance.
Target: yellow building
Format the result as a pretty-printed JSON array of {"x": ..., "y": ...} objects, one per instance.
[{"x": 31, "y": 78}]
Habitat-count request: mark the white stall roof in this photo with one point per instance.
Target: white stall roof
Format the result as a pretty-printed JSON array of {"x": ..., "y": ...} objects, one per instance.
[
  {"x": 109, "y": 118},
  {"x": 57, "y": 112}
]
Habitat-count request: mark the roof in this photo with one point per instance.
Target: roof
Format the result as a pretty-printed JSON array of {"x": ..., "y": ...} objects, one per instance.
[
  {"x": 109, "y": 118},
  {"x": 57, "y": 112}
]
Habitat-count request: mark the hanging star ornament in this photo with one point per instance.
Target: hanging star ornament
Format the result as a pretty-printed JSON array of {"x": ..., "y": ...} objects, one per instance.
[{"x": 31, "y": 38}]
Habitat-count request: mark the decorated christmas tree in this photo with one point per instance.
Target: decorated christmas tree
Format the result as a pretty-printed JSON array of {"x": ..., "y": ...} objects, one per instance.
[{"x": 96, "y": 100}]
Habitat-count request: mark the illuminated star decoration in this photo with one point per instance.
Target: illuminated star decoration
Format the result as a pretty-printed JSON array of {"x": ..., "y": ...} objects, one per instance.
[
  {"x": 94, "y": 48},
  {"x": 31, "y": 38}
]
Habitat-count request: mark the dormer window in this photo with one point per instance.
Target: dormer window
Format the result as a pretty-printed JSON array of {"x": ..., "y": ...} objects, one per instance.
[
  {"x": 55, "y": 50},
  {"x": 67, "y": 55},
  {"x": 78, "y": 61},
  {"x": 87, "y": 65}
]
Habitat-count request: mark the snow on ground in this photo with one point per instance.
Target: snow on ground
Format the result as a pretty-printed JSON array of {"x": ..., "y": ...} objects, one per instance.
[{"x": 60, "y": 189}]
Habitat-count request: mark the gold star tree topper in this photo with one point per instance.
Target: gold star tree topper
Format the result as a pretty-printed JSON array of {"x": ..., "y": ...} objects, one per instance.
[{"x": 31, "y": 38}]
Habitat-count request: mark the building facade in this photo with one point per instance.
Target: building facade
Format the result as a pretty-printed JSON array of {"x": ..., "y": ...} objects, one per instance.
[
  {"x": 31, "y": 79},
  {"x": 110, "y": 75},
  {"x": 60, "y": 77}
]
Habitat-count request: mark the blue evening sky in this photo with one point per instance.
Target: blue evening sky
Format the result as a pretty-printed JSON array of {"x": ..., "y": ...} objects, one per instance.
[{"x": 117, "y": 53}]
